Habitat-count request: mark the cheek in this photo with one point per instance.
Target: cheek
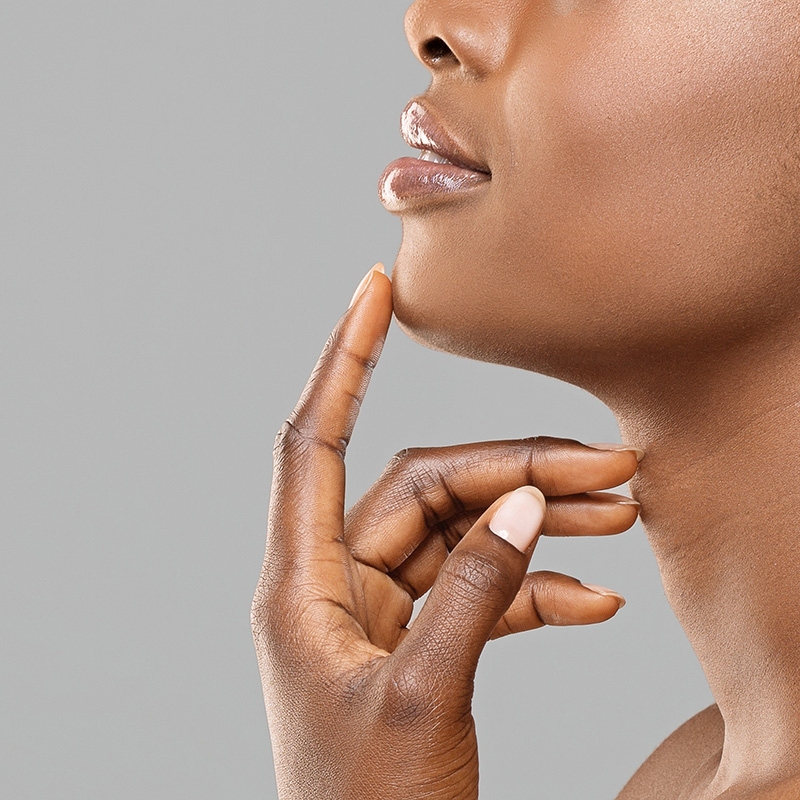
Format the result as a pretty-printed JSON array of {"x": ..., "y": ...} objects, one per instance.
[
  {"x": 656, "y": 189},
  {"x": 639, "y": 200}
]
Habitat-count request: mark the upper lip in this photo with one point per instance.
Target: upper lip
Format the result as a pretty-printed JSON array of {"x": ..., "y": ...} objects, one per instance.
[{"x": 423, "y": 131}]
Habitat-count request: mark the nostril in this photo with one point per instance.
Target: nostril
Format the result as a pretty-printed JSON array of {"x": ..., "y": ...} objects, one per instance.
[{"x": 435, "y": 50}]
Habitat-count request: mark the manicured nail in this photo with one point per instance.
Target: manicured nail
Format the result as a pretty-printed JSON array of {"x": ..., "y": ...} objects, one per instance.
[
  {"x": 365, "y": 281},
  {"x": 618, "y": 447},
  {"x": 520, "y": 518},
  {"x": 606, "y": 592},
  {"x": 614, "y": 499}
]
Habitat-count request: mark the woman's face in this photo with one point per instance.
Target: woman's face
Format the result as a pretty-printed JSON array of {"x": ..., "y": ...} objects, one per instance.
[{"x": 645, "y": 178}]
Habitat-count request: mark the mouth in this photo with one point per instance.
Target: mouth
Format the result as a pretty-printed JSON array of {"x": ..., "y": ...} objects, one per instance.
[{"x": 443, "y": 171}]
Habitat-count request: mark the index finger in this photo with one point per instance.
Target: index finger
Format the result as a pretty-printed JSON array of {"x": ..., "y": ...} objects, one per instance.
[{"x": 307, "y": 502}]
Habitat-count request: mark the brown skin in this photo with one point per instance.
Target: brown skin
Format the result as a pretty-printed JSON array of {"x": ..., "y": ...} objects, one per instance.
[
  {"x": 359, "y": 704},
  {"x": 645, "y": 189},
  {"x": 640, "y": 237}
]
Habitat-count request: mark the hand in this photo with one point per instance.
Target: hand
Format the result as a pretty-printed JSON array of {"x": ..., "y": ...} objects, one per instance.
[{"x": 361, "y": 705}]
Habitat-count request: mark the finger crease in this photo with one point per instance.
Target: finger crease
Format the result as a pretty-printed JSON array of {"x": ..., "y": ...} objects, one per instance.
[
  {"x": 428, "y": 514},
  {"x": 451, "y": 533},
  {"x": 367, "y": 363},
  {"x": 456, "y": 503},
  {"x": 340, "y": 447},
  {"x": 534, "y": 606},
  {"x": 354, "y": 397},
  {"x": 349, "y": 613}
]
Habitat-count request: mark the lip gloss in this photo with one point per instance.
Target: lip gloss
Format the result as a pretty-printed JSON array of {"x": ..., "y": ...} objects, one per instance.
[{"x": 413, "y": 181}]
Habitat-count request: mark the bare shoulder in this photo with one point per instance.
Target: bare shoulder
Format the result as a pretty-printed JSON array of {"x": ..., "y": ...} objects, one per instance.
[
  {"x": 695, "y": 744},
  {"x": 690, "y": 755}
]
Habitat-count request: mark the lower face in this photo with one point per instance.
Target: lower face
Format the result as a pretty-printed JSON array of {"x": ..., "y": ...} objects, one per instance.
[{"x": 645, "y": 174}]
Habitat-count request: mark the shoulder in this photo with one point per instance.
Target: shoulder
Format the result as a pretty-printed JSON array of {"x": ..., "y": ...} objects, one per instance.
[
  {"x": 695, "y": 744},
  {"x": 689, "y": 754}
]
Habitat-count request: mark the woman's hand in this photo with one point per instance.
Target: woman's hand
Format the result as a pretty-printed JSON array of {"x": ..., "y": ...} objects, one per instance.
[{"x": 360, "y": 704}]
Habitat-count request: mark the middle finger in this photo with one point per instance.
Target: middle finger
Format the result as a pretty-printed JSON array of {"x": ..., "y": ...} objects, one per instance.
[{"x": 422, "y": 488}]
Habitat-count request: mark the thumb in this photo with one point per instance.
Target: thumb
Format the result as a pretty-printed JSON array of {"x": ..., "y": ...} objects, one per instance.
[{"x": 475, "y": 586}]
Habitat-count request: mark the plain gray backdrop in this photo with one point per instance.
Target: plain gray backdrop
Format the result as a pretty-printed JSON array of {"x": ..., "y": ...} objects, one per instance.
[{"x": 188, "y": 199}]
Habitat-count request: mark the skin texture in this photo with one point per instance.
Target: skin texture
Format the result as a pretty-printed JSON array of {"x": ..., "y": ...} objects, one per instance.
[
  {"x": 355, "y": 698},
  {"x": 644, "y": 192},
  {"x": 639, "y": 237}
]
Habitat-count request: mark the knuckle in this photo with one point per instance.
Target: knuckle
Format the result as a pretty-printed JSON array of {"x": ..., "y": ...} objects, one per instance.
[
  {"x": 541, "y": 450},
  {"x": 423, "y": 476},
  {"x": 545, "y": 599},
  {"x": 548, "y": 442},
  {"x": 294, "y": 439},
  {"x": 404, "y": 460},
  {"x": 286, "y": 436},
  {"x": 544, "y": 454},
  {"x": 546, "y": 449}
]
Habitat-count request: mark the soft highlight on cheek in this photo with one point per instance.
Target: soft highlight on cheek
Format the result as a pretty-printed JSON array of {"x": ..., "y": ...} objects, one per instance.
[
  {"x": 638, "y": 151},
  {"x": 659, "y": 132}
]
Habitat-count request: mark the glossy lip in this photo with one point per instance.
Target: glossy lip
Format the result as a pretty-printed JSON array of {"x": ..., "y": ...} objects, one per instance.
[
  {"x": 410, "y": 182},
  {"x": 423, "y": 131}
]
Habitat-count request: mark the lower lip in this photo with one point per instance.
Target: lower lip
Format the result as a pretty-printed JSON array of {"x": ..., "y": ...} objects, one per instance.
[{"x": 410, "y": 182}]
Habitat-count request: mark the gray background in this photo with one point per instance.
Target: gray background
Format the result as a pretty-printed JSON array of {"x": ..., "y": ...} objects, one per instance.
[{"x": 187, "y": 194}]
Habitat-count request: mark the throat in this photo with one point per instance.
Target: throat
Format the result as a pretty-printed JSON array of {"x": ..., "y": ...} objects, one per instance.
[{"x": 720, "y": 494}]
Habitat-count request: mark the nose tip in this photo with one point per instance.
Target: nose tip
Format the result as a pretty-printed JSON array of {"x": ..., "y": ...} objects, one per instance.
[{"x": 456, "y": 36}]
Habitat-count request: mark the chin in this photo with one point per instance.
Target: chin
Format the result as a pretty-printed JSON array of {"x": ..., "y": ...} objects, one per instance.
[{"x": 461, "y": 317}]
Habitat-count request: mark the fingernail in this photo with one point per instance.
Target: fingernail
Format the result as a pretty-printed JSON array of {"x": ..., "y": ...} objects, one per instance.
[
  {"x": 606, "y": 592},
  {"x": 618, "y": 447},
  {"x": 614, "y": 499},
  {"x": 520, "y": 518},
  {"x": 365, "y": 281}
]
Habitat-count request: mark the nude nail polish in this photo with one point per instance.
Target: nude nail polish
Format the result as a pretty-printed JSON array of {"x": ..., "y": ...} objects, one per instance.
[
  {"x": 519, "y": 519},
  {"x": 606, "y": 592},
  {"x": 618, "y": 447},
  {"x": 365, "y": 281}
]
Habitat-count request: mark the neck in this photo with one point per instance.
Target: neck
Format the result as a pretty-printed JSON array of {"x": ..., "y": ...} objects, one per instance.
[{"x": 720, "y": 492}]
